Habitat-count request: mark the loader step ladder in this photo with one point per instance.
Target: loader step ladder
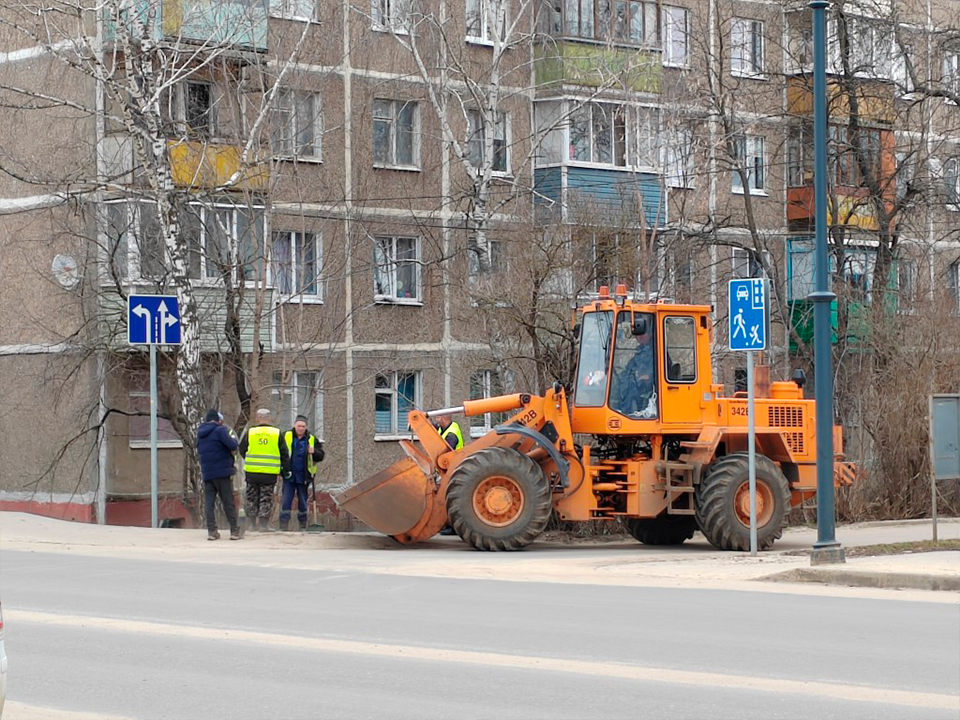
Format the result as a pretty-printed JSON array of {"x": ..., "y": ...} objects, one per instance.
[{"x": 677, "y": 483}]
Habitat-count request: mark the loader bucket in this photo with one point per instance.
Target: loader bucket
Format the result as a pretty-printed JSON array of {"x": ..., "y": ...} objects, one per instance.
[{"x": 398, "y": 501}]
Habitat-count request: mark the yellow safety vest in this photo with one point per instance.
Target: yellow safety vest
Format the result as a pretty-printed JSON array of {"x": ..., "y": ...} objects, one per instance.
[
  {"x": 311, "y": 442},
  {"x": 263, "y": 450},
  {"x": 455, "y": 429}
]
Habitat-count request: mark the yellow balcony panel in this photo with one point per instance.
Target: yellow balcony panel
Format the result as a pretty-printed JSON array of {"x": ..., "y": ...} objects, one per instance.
[
  {"x": 206, "y": 165},
  {"x": 875, "y": 100}
]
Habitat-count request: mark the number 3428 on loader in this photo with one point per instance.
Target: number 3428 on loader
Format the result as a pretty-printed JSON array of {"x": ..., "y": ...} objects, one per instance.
[{"x": 646, "y": 437}]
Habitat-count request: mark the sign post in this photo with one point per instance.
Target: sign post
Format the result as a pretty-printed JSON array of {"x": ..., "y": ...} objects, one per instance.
[
  {"x": 944, "y": 446},
  {"x": 749, "y": 318},
  {"x": 153, "y": 320}
]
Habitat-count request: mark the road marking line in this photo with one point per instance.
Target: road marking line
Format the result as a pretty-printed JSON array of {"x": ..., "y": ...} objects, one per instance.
[{"x": 854, "y": 693}]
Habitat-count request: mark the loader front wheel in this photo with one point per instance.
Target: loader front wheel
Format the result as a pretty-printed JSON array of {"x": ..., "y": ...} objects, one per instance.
[
  {"x": 722, "y": 502},
  {"x": 498, "y": 499},
  {"x": 663, "y": 530}
]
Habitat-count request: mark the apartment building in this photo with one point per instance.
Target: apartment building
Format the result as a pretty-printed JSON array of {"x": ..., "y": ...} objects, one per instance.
[{"x": 360, "y": 191}]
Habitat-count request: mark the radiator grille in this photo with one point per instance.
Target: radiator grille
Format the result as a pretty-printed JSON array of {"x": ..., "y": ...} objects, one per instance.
[
  {"x": 795, "y": 442},
  {"x": 785, "y": 416}
]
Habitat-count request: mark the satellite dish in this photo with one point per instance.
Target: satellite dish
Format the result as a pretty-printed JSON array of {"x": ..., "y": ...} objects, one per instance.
[{"x": 65, "y": 271}]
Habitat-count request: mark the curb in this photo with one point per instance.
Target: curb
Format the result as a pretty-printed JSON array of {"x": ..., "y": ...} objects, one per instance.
[
  {"x": 854, "y": 578},
  {"x": 902, "y": 523}
]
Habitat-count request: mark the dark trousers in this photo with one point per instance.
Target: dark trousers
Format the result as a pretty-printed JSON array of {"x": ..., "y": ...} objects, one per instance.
[
  {"x": 260, "y": 501},
  {"x": 224, "y": 488},
  {"x": 286, "y": 502}
]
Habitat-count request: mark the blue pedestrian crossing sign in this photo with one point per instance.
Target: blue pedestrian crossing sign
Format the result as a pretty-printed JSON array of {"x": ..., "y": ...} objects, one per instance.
[
  {"x": 749, "y": 314},
  {"x": 153, "y": 320}
]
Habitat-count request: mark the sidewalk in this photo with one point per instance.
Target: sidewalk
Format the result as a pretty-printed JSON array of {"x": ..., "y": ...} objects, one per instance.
[{"x": 618, "y": 561}]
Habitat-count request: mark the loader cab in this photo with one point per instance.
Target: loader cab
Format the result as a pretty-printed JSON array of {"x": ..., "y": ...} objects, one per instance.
[{"x": 641, "y": 366}]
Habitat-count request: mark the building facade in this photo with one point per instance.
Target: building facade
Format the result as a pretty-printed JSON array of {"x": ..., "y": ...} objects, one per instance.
[{"x": 371, "y": 208}]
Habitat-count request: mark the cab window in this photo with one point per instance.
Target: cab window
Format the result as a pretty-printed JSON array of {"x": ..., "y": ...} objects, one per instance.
[
  {"x": 594, "y": 355},
  {"x": 680, "y": 349},
  {"x": 633, "y": 391}
]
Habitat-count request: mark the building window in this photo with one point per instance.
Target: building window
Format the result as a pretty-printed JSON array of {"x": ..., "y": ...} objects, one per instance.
[
  {"x": 951, "y": 183},
  {"x": 618, "y": 20},
  {"x": 951, "y": 71},
  {"x": 297, "y": 127},
  {"x": 396, "y": 269},
  {"x": 301, "y": 395},
  {"x": 209, "y": 233},
  {"x": 479, "y": 15},
  {"x": 396, "y": 395},
  {"x": 799, "y": 42},
  {"x": 675, "y": 42},
  {"x": 799, "y": 158},
  {"x": 856, "y": 271},
  {"x": 800, "y": 269},
  {"x": 678, "y": 157},
  {"x": 953, "y": 284},
  {"x": 485, "y": 384},
  {"x": 138, "y": 424},
  {"x": 749, "y": 263},
  {"x": 871, "y": 48},
  {"x": 295, "y": 9},
  {"x": 843, "y": 155},
  {"x": 746, "y": 43},
  {"x": 197, "y": 110},
  {"x": 748, "y": 155},
  {"x": 496, "y": 260},
  {"x": 598, "y": 134},
  {"x": 395, "y": 133},
  {"x": 391, "y": 15},
  {"x": 296, "y": 264},
  {"x": 906, "y": 283},
  {"x": 476, "y": 142}
]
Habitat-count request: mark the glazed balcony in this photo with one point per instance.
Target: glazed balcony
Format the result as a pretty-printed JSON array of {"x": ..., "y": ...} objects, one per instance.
[{"x": 239, "y": 24}]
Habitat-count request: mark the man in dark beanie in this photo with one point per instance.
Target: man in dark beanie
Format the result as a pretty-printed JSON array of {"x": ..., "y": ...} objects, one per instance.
[{"x": 216, "y": 445}]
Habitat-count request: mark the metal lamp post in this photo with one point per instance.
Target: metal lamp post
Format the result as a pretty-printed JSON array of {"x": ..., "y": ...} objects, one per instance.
[{"x": 826, "y": 549}]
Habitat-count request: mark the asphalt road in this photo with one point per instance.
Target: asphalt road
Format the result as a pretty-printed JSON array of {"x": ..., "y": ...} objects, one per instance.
[{"x": 173, "y": 639}]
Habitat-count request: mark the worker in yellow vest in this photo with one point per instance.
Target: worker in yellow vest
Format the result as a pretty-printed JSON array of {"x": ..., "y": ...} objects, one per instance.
[
  {"x": 450, "y": 431},
  {"x": 265, "y": 457},
  {"x": 305, "y": 452}
]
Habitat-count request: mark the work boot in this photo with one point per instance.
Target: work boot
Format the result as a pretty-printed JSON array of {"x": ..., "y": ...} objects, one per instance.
[
  {"x": 214, "y": 535},
  {"x": 303, "y": 526},
  {"x": 284, "y": 525},
  {"x": 447, "y": 530},
  {"x": 235, "y": 534},
  {"x": 265, "y": 526}
]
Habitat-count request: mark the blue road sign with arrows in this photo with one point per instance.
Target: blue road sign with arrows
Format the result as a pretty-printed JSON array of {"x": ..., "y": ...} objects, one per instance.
[
  {"x": 153, "y": 320},
  {"x": 748, "y": 315}
]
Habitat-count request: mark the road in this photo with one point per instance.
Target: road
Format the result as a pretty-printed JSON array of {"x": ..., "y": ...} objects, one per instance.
[{"x": 144, "y": 637}]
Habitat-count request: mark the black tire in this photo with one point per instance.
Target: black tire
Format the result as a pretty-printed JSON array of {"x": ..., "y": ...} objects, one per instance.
[
  {"x": 663, "y": 530},
  {"x": 716, "y": 504},
  {"x": 524, "y": 518}
]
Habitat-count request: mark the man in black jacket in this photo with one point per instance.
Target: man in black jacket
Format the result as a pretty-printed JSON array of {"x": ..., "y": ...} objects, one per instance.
[{"x": 215, "y": 446}]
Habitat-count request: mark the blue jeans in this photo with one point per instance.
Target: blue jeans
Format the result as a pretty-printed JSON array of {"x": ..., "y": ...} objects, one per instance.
[{"x": 286, "y": 502}]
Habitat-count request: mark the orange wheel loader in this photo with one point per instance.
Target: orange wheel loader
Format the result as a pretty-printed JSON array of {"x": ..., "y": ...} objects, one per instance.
[{"x": 645, "y": 437}]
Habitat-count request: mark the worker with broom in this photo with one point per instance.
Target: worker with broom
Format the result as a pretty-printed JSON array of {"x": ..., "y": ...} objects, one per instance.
[{"x": 305, "y": 452}]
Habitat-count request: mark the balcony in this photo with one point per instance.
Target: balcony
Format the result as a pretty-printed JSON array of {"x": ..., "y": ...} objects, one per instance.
[
  {"x": 853, "y": 210},
  {"x": 875, "y": 100},
  {"x": 206, "y": 165},
  {"x": 568, "y": 62},
  {"x": 214, "y": 23},
  {"x": 591, "y": 195}
]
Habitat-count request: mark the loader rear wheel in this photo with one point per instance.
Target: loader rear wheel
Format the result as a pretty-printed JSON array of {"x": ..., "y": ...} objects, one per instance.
[
  {"x": 498, "y": 499},
  {"x": 663, "y": 530},
  {"x": 722, "y": 502}
]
